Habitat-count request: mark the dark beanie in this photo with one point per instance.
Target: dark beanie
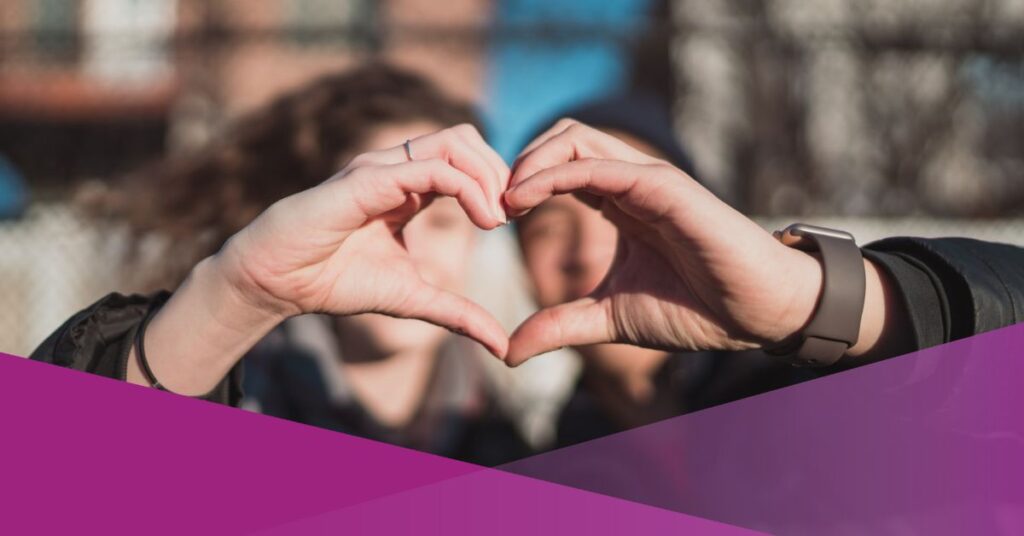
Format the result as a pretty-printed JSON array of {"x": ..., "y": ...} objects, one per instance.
[{"x": 640, "y": 114}]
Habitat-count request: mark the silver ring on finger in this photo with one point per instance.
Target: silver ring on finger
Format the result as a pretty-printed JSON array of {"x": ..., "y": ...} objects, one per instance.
[{"x": 408, "y": 150}]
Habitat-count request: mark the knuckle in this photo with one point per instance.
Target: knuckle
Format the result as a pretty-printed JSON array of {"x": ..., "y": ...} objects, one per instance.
[
  {"x": 435, "y": 163},
  {"x": 566, "y": 122},
  {"x": 466, "y": 129},
  {"x": 277, "y": 209},
  {"x": 361, "y": 160},
  {"x": 437, "y": 168},
  {"x": 577, "y": 128},
  {"x": 451, "y": 134},
  {"x": 663, "y": 168}
]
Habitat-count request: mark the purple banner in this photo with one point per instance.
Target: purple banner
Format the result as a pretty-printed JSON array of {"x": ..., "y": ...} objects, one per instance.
[
  {"x": 927, "y": 443},
  {"x": 80, "y": 453}
]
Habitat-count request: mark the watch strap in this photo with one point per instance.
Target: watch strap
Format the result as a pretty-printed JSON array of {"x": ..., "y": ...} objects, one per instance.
[{"x": 835, "y": 325}]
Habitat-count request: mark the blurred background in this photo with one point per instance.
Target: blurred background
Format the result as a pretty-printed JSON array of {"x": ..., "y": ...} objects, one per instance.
[{"x": 883, "y": 117}]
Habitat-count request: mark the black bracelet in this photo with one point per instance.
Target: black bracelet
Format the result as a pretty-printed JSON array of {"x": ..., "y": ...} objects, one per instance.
[{"x": 140, "y": 352}]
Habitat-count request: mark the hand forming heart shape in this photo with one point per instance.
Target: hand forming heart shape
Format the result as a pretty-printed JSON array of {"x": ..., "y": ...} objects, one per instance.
[{"x": 689, "y": 273}]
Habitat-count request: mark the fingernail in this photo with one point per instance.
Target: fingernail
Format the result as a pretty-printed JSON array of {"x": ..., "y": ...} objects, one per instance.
[{"x": 500, "y": 214}]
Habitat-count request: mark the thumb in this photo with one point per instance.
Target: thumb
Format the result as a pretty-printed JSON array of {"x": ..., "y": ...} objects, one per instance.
[
  {"x": 455, "y": 313},
  {"x": 577, "y": 323}
]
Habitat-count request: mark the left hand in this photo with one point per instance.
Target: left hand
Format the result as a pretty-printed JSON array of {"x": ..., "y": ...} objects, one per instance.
[
  {"x": 690, "y": 273},
  {"x": 338, "y": 248}
]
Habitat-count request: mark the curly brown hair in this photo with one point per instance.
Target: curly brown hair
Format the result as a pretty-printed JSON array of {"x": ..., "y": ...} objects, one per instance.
[{"x": 194, "y": 203}]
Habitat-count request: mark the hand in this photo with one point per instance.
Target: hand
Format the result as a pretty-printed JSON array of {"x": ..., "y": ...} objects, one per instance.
[
  {"x": 337, "y": 248},
  {"x": 690, "y": 273}
]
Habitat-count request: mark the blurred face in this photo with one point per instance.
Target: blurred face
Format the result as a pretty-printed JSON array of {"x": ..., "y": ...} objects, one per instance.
[
  {"x": 440, "y": 240},
  {"x": 568, "y": 248}
]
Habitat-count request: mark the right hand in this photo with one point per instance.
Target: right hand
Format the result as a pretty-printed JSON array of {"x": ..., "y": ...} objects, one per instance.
[
  {"x": 337, "y": 248},
  {"x": 690, "y": 273}
]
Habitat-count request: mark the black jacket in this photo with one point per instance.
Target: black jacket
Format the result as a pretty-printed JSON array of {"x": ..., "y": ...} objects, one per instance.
[
  {"x": 951, "y": 287},
  {"x": 954, "y": 287}
]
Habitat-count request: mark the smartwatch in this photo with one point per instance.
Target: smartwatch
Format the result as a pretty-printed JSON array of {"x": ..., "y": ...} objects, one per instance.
[{"x": 835, "y": 325}]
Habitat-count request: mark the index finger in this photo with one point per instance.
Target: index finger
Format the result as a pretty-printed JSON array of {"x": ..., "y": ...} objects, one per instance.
[
  {"x": 555, "y": 129},
  {"x": 575, "y": 141},
  {"x": 634, "y": 184},
  {"x": 463, "y": 148}
]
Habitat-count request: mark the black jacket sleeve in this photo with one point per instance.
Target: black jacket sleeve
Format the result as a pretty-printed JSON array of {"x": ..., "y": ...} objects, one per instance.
[
  {"x": 99, "y": 338},
  {"x": 954, "y": 287}
]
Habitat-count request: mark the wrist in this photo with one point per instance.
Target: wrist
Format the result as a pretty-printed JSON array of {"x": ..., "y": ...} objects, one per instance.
[
  {"x": 884, "y": 326},
  {"x": 883, "y": 321},
  {"x": 232, "y": 268},
  {"x": 872, "y": 318},
  {"x": 835, "y": 323},
  {"x": 235, "y": 296},
  {"x": 805, "y": 276},
  {"x": 201, "y": 332}
]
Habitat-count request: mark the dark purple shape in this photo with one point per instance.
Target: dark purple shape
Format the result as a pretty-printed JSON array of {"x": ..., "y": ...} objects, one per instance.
[
  {"x": 80, "y": 454},
  {"x": 927, "y": 443},
  {"x": 496, "y": 503}
]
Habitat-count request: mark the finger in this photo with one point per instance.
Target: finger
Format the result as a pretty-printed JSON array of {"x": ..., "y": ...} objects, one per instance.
[
  {"x": 451, "y": 146},
  {"x": 575, "y": 142},
  {"x": 378, "y": 190},
  {"x": 436, "y": 176},
  {"x": 457, "y": 314},
  {"x": 473, "y": 162},
  {"x": 636, "y": 185},
  {"x": 577, "y": 323},
  {"x": 555, "y": 129},
  {"x": 457, "y": 148},
  {"x": 501, "y": 171}
]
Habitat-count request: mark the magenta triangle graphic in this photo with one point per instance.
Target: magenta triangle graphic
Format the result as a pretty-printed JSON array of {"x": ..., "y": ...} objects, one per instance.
[{"x": 84, "y": 453}]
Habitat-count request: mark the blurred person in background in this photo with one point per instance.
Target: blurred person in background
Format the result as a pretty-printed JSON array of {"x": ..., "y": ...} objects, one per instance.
[
  {"x": 939, "y": 289},
  {"x": 568, "y": 247},
  {"x": 402, "y": 381}
]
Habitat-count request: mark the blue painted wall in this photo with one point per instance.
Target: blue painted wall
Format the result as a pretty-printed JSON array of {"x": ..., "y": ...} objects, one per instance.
[{"x": 531, "y": 78}]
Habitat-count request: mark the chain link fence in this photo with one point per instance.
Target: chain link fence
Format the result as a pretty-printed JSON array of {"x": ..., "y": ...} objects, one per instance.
[
  {"x": 52, "y": 265},
  {"x": 858, "y": 108}
]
